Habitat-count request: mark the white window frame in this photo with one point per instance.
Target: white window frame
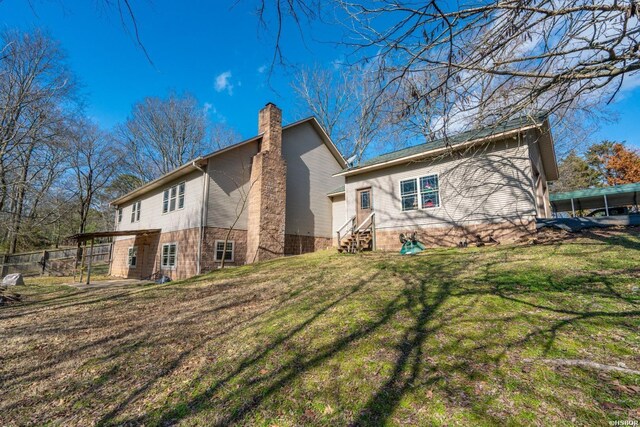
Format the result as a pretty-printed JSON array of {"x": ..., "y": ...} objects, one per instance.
[
  {"x": 419, "y": 192},
  {"x": 177, "y": 197},
  {"x": 233, "y": 250},
  {"x": 129, "y": 257},
  {"x": 119, "y": 214},
  {"x": 175, "y": 257},
  {"x": 135, "y": 211}
]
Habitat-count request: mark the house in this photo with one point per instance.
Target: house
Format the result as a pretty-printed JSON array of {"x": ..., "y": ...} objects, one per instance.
[
  {"x": 481, "y": 184},
  {"x": 268, "y": 194},
  {"x": 289, "y": 191}
]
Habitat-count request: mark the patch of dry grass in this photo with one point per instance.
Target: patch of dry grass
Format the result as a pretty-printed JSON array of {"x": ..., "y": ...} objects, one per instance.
[{"x": 438, "y": 338}]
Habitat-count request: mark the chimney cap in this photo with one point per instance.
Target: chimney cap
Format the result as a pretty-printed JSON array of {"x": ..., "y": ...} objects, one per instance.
[{"x": 270, "y": 103}]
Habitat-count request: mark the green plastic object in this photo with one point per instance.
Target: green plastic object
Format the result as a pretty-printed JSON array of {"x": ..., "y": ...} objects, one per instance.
[{"x": 411, "y": 247}]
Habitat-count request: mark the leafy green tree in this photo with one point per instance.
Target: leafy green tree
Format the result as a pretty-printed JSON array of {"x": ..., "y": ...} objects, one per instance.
[{"x": 576, "y": 173}]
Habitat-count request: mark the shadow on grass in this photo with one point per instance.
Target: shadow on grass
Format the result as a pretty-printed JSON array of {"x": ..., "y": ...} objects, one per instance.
[
  {"x": 428, "y": 284},
  {"x": 434, "y": 303}
]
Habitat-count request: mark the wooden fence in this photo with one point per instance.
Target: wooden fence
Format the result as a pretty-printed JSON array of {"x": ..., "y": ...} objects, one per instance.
[{"x": 53, "y": 262}]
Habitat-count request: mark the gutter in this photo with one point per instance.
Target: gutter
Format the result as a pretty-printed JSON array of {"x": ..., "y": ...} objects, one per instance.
[
  {"x": 435, "y": 152},
  {"x": 143, "y": 189},
  {"x": 335, "y": 194}
]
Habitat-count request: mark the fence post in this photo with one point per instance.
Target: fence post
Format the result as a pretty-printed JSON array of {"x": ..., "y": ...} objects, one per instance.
[
  {"x": 44, "y": 262},
  {"x": 4, "y": 269}
]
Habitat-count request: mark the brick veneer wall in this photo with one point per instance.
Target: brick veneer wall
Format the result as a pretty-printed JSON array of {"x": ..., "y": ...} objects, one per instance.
[
  {"x": 295, "y": 244},
  {"x": 150, "y": 255},
  {"x": 211, "y": 234},
  {"x": 268, "y": 194},
  {"x": 504, "y": 231}
]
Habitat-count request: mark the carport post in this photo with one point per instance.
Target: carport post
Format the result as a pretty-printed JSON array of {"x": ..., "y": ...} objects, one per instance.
[
  {"x": 89, "y": 266},
  {"x": 84, "y": 252},
  {"x": 75, "y": 264},
  {"x": 573, "y": 208},
  {"x": 606, "y": 205}
]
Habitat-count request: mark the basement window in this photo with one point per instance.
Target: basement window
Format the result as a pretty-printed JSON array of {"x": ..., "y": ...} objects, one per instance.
[
  {"x": 228, "y": 254},
  {"x": 133, "y": 256},
  {"x": 169, "y": 253},
  {"x": 135, "y": 212},
  {"x": 173, "y": 198}
]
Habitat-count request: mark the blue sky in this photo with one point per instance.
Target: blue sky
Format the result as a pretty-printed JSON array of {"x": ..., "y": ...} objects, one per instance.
[{"x": 209, "y": 48}]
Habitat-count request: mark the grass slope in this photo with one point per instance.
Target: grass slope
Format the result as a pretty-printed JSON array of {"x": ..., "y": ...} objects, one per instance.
[{"x": 371, "y": 339}]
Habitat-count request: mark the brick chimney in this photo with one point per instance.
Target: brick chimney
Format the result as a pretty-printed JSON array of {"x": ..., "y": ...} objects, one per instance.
[
  {"x": 270, "y": 126},
  {"x": 268, "y": 193}
]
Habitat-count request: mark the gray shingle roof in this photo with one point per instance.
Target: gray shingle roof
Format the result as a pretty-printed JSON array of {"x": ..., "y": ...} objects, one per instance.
[
  {"x": 337, "y": 190},
  {"x": 459, "y": 138}
]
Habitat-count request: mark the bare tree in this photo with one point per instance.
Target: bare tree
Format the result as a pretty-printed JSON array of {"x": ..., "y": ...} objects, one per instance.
[
  {"x": 469, "y": 64},
  {"x": 347, "y": 105},
  {"x": 36, "y": 91},
  {"x": 163, "y": 134},
  {"x": 222, "y": 136},
  {"x": 93, "y": 162},
  {"x": 239, "y": 184}
]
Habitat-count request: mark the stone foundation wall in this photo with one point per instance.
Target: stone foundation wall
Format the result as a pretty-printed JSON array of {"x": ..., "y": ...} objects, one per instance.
[
  {"x": 211, "y": 234},
  {"x": 150, "y": 255},
  {"x": 296, "y": 245},
  {"x": 504, "y": 232}
]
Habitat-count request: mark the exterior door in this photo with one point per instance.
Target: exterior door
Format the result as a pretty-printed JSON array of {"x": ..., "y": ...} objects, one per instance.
[{"x": 364, "y": 205}]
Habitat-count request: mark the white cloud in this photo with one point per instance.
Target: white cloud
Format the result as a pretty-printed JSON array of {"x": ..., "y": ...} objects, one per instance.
[
  {"x": 262, "y": 69},
  {"x": 208, "y": 107},
  {"x": 223, "y": 82}
]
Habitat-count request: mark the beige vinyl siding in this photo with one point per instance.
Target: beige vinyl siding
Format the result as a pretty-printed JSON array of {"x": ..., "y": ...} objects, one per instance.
[
  {"x": 230, "y": 175},
  {"x": 491, "y": 184},
  {"x": 310, "y": 166},
  {"x": 151, "y": 215},
  {"x": 339, "y": 210},
  {"x": 542, "y": 190}
]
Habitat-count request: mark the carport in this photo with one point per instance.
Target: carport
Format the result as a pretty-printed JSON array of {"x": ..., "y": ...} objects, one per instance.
[
  {"x": 596, "y": 198},
  {"x": 90, "y": 237}
]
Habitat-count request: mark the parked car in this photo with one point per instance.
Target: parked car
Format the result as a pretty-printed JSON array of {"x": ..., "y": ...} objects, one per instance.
[{"x": 622, "y": 210}]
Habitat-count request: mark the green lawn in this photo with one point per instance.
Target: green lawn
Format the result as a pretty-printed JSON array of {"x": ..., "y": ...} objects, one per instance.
[{"x": 448, "y": 337}]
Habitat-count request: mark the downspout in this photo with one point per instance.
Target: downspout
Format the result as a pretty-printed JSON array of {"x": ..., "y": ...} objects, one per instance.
[{"x": 203, "y": 213}]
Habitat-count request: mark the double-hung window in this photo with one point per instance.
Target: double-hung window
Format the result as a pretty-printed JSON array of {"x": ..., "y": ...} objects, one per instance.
[
  {"x": 409, "y": 194},
  {"x": 133, "y": 256},
  {"x": 420, "y": 193},
  {"x": 169, "y": 253},
  {"x": 429, "y": 192},
  {"x": 119, "y": 215},
  {"x": 135, "y": 212},
  {"x": 173, "y": 198},
  {"x": 221, "y": 252}
]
